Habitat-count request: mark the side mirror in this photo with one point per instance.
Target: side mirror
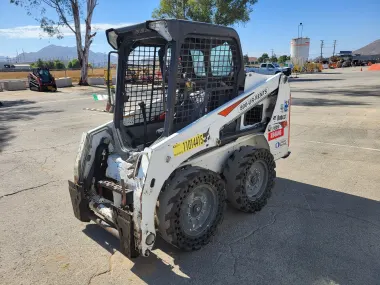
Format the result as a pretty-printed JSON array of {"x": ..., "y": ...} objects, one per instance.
[{"x": 110, "y": 87}]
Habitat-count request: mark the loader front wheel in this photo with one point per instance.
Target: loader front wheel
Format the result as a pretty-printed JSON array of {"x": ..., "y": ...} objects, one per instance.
[
  {"x": 191, "y": 206},
  {"x": 250, "y": 175}
]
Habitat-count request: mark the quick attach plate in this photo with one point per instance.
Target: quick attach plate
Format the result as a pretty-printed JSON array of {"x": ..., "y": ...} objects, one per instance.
[
  {"x": 124, "y": 224},
  {"x": 79, "y": 202}
]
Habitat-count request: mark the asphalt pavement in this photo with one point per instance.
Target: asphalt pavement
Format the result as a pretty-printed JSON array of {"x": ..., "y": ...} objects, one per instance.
[{"x": 321, "y": 225}]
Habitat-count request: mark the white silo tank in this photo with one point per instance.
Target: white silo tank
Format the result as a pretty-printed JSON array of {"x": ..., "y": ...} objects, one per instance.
[{"x": 299, "y": 50}]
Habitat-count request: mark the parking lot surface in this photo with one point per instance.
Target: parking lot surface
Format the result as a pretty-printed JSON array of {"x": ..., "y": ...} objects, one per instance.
[{"x": 321, "y": 225}]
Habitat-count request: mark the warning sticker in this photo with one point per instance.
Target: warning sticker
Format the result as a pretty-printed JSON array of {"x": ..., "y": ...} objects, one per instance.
[
  {"x": 129, "y": 120},
  {"x": 275, "y": 134},
  {"x": 188, "y": 145}
]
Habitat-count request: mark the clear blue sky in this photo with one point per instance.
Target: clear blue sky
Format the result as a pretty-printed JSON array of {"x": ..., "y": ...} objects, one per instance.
[{"x": 273, "y": 24}]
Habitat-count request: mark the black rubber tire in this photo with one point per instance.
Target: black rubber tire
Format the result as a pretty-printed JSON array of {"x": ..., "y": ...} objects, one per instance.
[
  {"x": 235, "y": 173},
  {"x": 31, "y": 87},
  {"x": 175, "y": 191}
]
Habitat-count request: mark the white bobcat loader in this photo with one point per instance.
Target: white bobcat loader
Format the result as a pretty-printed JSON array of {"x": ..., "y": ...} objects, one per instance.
[{"x": 184, "y": 143}]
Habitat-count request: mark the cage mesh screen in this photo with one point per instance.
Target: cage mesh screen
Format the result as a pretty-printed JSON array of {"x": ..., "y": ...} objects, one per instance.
[
  {"x": 143, "y": 83},
  {"x": 206, "y": 77},
  {"x": 254, "y": 115}
]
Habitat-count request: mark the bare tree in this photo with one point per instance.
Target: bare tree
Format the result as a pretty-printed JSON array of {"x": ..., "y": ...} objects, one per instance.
[{"x": 69, "y": 15}]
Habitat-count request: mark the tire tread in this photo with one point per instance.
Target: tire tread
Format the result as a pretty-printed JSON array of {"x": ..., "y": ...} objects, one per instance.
[{"x": 235, "y": 172}]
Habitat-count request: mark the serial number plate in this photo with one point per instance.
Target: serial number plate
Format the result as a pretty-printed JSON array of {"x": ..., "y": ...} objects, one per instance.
[{"x": 188, "y": 145}]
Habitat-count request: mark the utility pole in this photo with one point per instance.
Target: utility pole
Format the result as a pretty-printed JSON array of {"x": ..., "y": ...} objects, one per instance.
[
  {"x": 272, "y": 52},
  {"x": 334, "y": 47},
  {"x": 321, "y": 48}
]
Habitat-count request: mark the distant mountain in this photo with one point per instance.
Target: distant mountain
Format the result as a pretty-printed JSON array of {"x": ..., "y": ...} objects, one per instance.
[
  {"x": 52, "y": 52},
  {"x": 371, "y": 49}
]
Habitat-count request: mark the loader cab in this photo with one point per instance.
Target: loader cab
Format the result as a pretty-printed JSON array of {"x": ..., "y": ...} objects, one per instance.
[{"x": 170, "y": 73}]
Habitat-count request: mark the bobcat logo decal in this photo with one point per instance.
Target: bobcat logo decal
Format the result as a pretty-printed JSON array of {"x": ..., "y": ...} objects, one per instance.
[{"x": 206, "y": 136}]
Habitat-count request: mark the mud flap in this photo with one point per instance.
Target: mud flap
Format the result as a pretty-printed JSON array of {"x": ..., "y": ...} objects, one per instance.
[
  {"x": 124, "y": 224},
  {"x": 79, "y": 202}
]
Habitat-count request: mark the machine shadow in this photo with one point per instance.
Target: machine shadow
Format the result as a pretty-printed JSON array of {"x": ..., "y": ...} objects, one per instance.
[
  {"x": 304, "y": 235},
  {"x": 313, "y": 79},
  {"x": 17, "y": 110},
  {"x": 318, "y": 102}
]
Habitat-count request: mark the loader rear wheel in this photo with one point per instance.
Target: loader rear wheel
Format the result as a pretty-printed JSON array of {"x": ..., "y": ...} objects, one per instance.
[
  {"x": 191, "y": 206},
  {"x": 250, "y": 175}
]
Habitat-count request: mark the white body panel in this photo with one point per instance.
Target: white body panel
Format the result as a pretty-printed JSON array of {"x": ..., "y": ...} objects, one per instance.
[{"x": 160, "y": 155}]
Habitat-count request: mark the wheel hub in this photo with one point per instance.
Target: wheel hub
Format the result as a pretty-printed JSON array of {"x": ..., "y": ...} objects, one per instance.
[
  {"x": 256, "y": 181},
  {"x": 198, "y": 210}
]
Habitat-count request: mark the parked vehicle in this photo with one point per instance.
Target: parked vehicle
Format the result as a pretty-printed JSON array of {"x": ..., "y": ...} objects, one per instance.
[
  {"x": 40, "y": 79},
  {"x": 270, "y": 69},
  {"x": 346, "y": 64}
]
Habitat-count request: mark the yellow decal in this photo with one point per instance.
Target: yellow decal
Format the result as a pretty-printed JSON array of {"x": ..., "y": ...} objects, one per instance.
[{"x": 188, "y": 145}]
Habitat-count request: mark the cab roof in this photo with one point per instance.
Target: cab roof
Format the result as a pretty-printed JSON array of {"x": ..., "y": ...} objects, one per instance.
[{"x": 170, "y": 29}]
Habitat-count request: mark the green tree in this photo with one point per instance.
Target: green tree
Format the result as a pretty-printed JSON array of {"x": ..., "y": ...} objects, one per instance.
[
  {"x": 246, "y": 59},
  {"x": 38, "y": 64},
  {"x": 53, "y": 15},
  {"x": 58, "y": 64},
  {"x": 221, "y": 12},
  {"x": 50, "y": 64},
  {"x": 74, "y": 64},
  {"x": 282, "y": 59},
  {"x": 273, "y": 58},
  {"x": 263, "y": 58}
]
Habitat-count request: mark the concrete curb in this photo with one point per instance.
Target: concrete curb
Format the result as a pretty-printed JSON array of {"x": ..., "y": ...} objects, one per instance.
[
  {"x": 14, "y": 85},
  {"x": 64, "y": 82},
  {"x": 96, "y": 81}
]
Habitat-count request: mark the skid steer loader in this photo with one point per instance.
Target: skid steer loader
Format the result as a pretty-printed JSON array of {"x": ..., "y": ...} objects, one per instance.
[{"x": 184, "y": 143}]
